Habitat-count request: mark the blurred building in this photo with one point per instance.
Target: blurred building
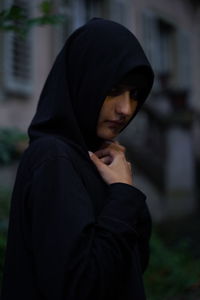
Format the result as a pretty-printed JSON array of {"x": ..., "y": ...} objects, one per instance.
[{"x": 164, "y": 140}]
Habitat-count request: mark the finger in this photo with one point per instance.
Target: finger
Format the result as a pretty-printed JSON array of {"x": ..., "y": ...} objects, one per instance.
[
  {"x": 114, "y": 145},
  {"x": 98, "y": 163},
  {"x": 118, "y": 146},
  {"x": 107, "y": 142},
  {"x": 116, "y": 142},
  {"x": 106, "y": 160},
  {"x": 105, "y": 152},
  {"x": 130, "y": 166}
]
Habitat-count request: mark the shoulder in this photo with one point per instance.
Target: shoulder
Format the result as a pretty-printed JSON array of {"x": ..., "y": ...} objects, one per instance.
[
  {"x": 43, "y": 150},
  {"x": 49, "y": 147}
]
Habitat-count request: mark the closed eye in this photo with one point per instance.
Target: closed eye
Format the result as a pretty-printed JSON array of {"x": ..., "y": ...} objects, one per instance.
[
  {"x": 115, "y": 91},
  {"x": 134, "y": 94},
  {"x": 119, "y": 89}
]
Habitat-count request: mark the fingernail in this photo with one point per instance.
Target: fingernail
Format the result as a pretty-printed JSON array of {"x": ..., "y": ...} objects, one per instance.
[{"x": 90, "y": 153}]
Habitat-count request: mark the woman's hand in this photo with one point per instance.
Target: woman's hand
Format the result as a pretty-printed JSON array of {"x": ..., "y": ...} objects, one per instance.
[{"x": 112, "y": 164}]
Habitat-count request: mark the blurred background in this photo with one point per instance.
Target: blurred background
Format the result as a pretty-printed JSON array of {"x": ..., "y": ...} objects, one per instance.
[{"x": 163, "y": 141}]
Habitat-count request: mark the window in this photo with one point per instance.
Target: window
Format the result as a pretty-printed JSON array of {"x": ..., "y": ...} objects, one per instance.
[
  {"x": 77, "y": 12},
  {"x": 18, "y": 57},
  {"x": 184, "y": 71},
  {"x": 118, "y": 11},
  {"x": 167, "y": 48},
  {"x": 74, "y": 12}
]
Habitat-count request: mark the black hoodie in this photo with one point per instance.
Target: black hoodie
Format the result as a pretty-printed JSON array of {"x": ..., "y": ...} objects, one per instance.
[{"x": 72, "y": 236}]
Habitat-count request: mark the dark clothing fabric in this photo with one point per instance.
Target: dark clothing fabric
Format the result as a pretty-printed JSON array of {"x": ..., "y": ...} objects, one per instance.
[{"x": 71, "y": 236}]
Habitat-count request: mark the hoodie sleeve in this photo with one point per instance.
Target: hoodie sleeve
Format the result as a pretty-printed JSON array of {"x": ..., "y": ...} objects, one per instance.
[{"x": 76, "y": 256}]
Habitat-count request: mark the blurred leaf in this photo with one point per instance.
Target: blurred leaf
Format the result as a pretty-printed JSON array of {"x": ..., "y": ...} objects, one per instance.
[
  {"x": 9, "y": 141},
  {"x": 171, "y": 271},
  {"x": 16, "y": 13},
  {"x": 5, "y": 195},
  {"x": 46, "y": 7},
  {"x": 14, "y": 19},
  {"x": 45, "y": 20}
]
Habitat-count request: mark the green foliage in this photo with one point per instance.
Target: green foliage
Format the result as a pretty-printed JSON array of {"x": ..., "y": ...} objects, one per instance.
[
  {"x": 2, "y": 252},
  {"x": 46, "y": 7},
  {"x": 172, "y": 271},
  {"x": 9, "y": 17},
  {"x": 11, "y": 144},
  {"x": 15, "y": 18},
  {"x": 5, "y": 195}
]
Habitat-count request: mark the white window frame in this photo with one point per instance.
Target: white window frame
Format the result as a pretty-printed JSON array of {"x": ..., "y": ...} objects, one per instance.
[
  {"x": 76, "y": 12},
  {"x": 12, "y": 84},
  {"x": 181, "y": 44},
  {"x": 184, "y": 60}
]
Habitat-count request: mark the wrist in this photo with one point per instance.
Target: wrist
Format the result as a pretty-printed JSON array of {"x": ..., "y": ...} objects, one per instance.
[{"x": 124, "y": 181}]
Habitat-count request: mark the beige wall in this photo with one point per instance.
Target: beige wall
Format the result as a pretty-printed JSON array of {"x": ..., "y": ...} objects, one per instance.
[
  {"x": 18, "y": 112},
  {"x": 15, "y": 110}
]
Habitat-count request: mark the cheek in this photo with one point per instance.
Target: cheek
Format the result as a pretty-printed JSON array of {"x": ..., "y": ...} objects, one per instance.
[
  {"x": 105, "y": 111},
  {"x": 100, "y": 119},
  {"x": 134, "y": 107}
]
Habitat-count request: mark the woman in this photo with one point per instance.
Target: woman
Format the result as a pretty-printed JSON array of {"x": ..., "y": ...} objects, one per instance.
[{"x": 79, "y": 228}]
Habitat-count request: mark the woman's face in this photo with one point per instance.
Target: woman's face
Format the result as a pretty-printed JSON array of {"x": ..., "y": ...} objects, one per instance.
[{"x": 116, "y": 111}]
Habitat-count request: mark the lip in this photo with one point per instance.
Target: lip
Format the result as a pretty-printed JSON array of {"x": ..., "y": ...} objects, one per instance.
[{"x": 115, "y": 123}]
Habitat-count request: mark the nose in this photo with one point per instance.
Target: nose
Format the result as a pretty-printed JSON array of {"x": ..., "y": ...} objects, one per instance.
[{"x": 125, "y": 104}]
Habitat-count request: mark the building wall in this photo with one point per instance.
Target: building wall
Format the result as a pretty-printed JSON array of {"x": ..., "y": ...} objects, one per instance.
[{"x": 17, "y": 109}]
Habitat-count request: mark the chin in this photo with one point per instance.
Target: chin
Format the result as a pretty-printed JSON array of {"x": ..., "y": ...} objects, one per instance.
[{"x": 107, "y": 136}]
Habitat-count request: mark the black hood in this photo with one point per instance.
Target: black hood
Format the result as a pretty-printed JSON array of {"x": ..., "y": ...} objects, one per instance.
[{"x": 94, "y": 58}]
